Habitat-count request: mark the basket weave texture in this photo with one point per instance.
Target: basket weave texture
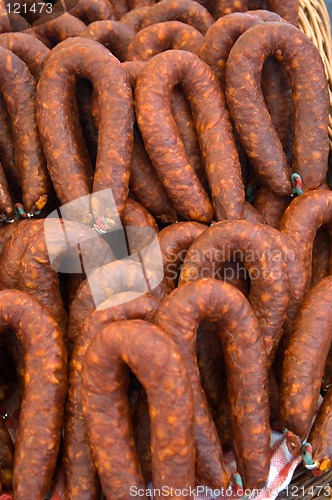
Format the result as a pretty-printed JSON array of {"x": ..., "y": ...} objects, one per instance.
[{"x": 315, "y": 23}]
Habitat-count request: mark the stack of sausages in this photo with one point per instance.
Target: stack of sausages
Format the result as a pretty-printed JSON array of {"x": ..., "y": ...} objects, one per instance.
[{"x": 199, "y": 131}]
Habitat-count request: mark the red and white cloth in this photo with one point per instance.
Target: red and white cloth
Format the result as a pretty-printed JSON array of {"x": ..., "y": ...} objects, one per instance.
[{"x": 282, "y": 468}]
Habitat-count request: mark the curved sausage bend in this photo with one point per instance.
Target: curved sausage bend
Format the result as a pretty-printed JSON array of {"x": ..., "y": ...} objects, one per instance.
[
  {"x": 134, "y": 18},
  {"x": 164, "y": 36},
  {"x": 187, "y": 11},
  {"x": 252, "y": 120},
  {"x": 179, "y": 315},
  {"x": 144, "y": 180},
  {"x": 174, "y": 242},
  {"x": 45, "y": 387},
  {"x": 88, "y": 59},
  {"x": 301, "y": 221},
  {"x": 113, "y": 278},
  {"x": 321, "y": 434},
  {"x": 80, "y": 472},
  {"x": 305, "y": 359},
  {"x": 155, "y": 360},
  {"x": 18, "y": 88},
  {"x": 32, "y": 52},
  {"x": 224, "y": 7},
  {"x": 287, "y": 10},
  {"x": 89, "y": 10},
  {"x": 115, "y": 35},
  {"x": 211, "y": 119},
  {"x": 58, "y": 29},
  {"x": 261, "y": 255},
  {"x": 215, "y": 51}
]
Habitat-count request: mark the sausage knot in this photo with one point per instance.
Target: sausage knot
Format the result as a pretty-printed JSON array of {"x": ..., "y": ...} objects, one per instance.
[{"x": 297, "y": 184}]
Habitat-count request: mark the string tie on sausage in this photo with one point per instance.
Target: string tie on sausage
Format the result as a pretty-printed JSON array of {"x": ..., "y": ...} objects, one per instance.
[
  {"x": 307, "y": 459},
  {"x": 102, "y": 225},
  {"x": 236, "y": 484},
  {"x": 297, "y": 184},
  {"x": 4, "y": 218},
  {"x": 21, "y": 213}
]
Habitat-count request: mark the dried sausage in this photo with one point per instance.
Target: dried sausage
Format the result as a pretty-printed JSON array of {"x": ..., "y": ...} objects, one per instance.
[
  {"x": 5, "y": 26},
  {"x": 288, "y": 11},
  {"x": 31, "y": 270},
  {"x": 321, "y": 434},
  {"x": 224, "y": 7},
  {"x": 120, "y": 8},
  {"x": 58, "y": 29},
  {"x": 155, "y": 360},
  {"x": 257, "y": 134},
  {"x": 211, "y": 119},
  {"x": 86, "y": 58},
  {"x": 115, "y": 35},
  {"x": 7, "y": 151},
  {"x": 320, "y": 257},
  {"x": 215, "y": 51},
  {"x": 144, "y": 181},
  {"x": 32, "y": 52},
  {"x": 146, "y": 185},
  {"x": 6, "y": 204},
  {"x": 305, "y": 358},
  {"x": 301, "y": 221},
  {"x": 134, "y": 18},
  {"x": 179, "y": 315},
  {"x": 113, "y": 278},
  {"x": 80, "y": 473},
  {"x": 271, "y": 206},
  {"x": 175, "y": 241},
  {"x": 14, "y": 248},
  {"x": 45, "y": 387},
  {"x": 135, "y": 4},
  {"x": 256, "y": 246},
  {"x": 52, "y": 241},
  {"x": 18, "y": 88},
  {"x": 139, "y": 225},
  {"x": 88, "y": 10},
  {"x": 187, "y": 11},
  {"x": 18, "y": 23},
  {"x": 164, "y": 36},
  {"x": 136, "y": 215}
]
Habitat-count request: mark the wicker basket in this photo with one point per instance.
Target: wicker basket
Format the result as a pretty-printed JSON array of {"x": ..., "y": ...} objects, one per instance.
[{"x": 315, "y": 23}]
